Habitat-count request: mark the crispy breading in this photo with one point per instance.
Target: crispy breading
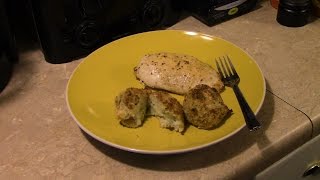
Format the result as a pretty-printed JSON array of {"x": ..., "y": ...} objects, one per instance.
[
  {"x": 131, "y": 107},
  {"x": 134, "y": 105},
  {"x": 204, "y": 107},
  {"x": 167, "y": 109}
]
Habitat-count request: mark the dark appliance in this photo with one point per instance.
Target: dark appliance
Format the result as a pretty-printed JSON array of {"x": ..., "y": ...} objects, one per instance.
[
  {"x": 8, "y": 51},
  {"x": 212, "y": 12},
  {"x": 70, "y": 29}
]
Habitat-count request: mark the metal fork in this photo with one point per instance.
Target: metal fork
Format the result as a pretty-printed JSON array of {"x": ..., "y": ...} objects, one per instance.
[{"x": 231, "y": 78}]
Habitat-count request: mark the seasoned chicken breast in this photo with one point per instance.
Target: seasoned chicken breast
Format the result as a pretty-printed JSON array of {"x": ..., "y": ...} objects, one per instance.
[
  {"x": 204, "y": 107},
  {"x": 176, "y": 73}
]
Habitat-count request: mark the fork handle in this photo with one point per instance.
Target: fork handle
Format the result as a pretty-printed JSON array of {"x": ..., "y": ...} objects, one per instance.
[{"x": 249, "y": 117}]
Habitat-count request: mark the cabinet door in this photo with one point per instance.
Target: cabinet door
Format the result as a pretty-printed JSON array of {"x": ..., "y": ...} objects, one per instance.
[{"x": 294, "y": 165}]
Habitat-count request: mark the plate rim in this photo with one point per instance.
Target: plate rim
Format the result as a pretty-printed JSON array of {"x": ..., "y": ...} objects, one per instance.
[{"x": 162, "y": 152}]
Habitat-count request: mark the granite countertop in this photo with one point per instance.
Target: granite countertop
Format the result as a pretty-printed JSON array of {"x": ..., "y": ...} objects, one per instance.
[{"x": 39, "y": 139}]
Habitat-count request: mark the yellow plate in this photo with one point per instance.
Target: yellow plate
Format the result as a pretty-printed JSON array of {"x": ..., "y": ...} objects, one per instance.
[{"x": 102, "y": 75}]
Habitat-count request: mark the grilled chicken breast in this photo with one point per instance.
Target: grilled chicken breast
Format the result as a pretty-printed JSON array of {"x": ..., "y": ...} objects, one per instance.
[
  {"x": 176, "y": 73},
  {"x": 204, "y": 107}
]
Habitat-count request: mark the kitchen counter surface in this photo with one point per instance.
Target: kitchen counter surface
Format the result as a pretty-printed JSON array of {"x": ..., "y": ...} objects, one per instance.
[
  {"x": 288, "y": 57},
  {"x": 39, "y": 139}
]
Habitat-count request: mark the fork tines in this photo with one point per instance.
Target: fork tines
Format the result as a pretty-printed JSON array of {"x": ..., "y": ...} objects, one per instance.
[
  {"x": 230, "y": 78},
  {"x": 227, "y": 67}
]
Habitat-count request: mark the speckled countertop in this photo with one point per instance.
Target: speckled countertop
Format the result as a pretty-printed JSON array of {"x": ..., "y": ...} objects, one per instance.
[{"x": 39, "y": 139}]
